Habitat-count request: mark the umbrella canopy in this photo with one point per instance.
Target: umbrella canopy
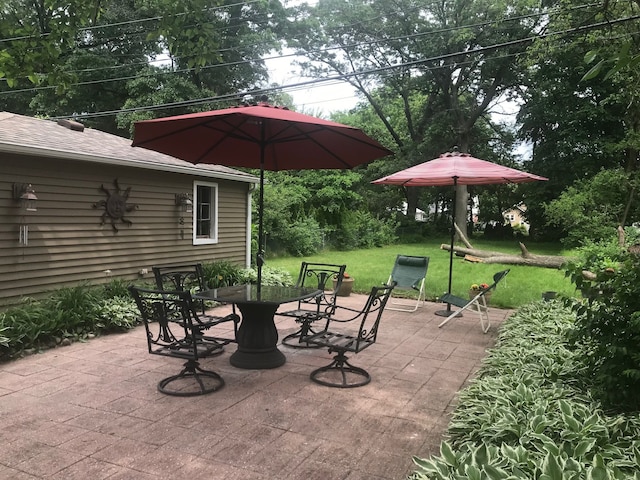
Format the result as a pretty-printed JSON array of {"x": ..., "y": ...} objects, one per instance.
[
  {"x": 456, "y": 169},
  {"x": 259, "y": 136}
]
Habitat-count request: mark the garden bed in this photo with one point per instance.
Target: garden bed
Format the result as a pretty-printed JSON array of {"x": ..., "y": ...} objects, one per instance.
[{"x": 530, "y": 415}]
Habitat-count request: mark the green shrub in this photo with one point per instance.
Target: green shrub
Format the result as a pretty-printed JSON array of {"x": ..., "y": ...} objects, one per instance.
[
  {"x": 222, "y": 274},
  {"x": 304, "y": 237},
  {"x": 70, "y": 312},
  {"x": 592, "y": 207},
  {"x": 77, "y": 308},
  {"x": 118, "y": 313},
  {"x": 270, "y": 276},
  {"x": 116, "y": 288},
  {"x": 361, "y": 230},
  {"x": 526, "y": 416},
  {"x": 607, "y": 331},
  {"x": 297, "y": 237}
]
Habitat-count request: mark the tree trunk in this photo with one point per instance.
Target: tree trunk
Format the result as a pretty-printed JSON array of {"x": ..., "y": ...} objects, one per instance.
[{"x": 462, "y": 201}]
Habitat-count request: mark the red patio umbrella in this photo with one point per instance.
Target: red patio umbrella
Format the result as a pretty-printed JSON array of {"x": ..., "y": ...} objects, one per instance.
[
  {"x": 259, "y": 136},
  {"x": 456, "y": 169}
]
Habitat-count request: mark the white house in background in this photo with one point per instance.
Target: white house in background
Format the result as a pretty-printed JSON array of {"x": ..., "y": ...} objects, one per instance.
[
  {"x": 421, "y": 215},
  {"x": 516, "y": 216}
]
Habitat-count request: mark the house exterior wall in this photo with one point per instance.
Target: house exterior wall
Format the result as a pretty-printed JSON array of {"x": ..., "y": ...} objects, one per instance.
[{"x": 67, "y": 243}]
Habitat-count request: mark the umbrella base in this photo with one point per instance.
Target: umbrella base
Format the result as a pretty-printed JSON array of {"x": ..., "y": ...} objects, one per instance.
[{"x": 447, "y": 312}]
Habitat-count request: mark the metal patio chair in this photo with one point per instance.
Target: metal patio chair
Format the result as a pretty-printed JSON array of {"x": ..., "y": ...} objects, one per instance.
[
  {"x": 409, "y": 273},
  {"x": 479, "y": 303},
  {"x": 190, "y": 278},
  {"x": 317, "y": 308},
  {"x": 352, "y": 334},
  {"x": 169, "y": 319}
]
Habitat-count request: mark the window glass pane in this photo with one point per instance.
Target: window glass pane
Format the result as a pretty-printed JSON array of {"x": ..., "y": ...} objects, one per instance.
[{"x": 205, "y": 213}]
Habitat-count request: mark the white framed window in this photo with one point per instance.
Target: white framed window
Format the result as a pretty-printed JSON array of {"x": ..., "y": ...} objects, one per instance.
[{"x": 205, "y": 213}]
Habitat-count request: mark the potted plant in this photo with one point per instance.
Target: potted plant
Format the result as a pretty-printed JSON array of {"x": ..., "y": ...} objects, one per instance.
[
  {"x": 345, "y": 287},
  {"x": 476, "y": 288}
]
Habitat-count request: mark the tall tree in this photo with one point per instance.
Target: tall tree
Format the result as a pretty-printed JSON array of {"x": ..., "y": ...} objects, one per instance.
[
  {"x": 580, "y": 125},
  {"x": 446, "y": 64},
  {"x": 61, "y": 60}
]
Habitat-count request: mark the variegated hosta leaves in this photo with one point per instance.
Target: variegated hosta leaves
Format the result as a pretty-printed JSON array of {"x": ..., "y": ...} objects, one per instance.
[{"x": 525, "y": 417}]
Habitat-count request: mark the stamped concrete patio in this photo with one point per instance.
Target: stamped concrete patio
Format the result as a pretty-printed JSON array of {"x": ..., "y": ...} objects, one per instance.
[{"x": 91, "y": 411}]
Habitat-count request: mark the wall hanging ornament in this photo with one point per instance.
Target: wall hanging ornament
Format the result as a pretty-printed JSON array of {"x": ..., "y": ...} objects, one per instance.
[{"x": 115, "y": 206}]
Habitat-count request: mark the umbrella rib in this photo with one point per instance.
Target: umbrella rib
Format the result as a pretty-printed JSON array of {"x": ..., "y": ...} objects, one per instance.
[
  {"x": 226, "y": 134},
  {"x": 274, "y": 139}
]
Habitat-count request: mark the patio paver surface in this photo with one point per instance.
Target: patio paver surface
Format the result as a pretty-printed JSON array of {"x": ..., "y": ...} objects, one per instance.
[{"x": 92, "y": 411}]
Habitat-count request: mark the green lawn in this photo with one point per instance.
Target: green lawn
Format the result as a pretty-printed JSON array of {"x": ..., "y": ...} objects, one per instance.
[{"x": 372, "y": 266}]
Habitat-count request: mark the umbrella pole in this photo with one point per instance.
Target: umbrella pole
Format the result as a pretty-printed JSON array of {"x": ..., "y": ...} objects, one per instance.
[
  {"x": 260, "y": 254},
  {"x": 447, "y": 312}
]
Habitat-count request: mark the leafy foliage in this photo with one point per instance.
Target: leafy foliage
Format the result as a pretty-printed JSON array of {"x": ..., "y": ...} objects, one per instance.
[
  {"x": 85, "y": 56},
  {"x": 222, "y": 274},
  {"x": 270, "y": 276},
  {"x": 361, "y": 230},
  {"x": 593, "y": 208},
  {"x": 305, "y": 211},
  {"x": 117, "y": 313},
  {"x": 578, "y": 124},
  {"x": 526, "y": 416},
  {"x": 68, "y": 313},
  {"x": 607, "y": 330}
]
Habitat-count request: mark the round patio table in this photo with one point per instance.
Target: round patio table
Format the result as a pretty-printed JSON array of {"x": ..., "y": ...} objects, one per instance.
[{"x": 257, "y": 334}]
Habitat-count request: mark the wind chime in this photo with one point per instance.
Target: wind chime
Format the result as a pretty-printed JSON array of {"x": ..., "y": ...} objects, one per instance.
[{"x": 26, "y": 195}]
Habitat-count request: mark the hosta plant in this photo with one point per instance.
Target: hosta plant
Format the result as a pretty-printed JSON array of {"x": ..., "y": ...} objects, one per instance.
[
  {"x": 118, "y": 313},
  {"x": 526, "y": 416}
]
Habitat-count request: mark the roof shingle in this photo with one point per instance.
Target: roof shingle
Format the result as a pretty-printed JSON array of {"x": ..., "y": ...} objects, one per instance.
[{"x": 19, "y": 133}]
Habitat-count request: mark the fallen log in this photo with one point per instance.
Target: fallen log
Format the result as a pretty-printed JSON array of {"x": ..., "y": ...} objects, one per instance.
[
  {"x": 475, "y": 255},
  {"x": 487, "y": 256}
]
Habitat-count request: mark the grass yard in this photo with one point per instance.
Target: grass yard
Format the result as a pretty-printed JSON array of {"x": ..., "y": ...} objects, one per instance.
[{"x": 372, "y": 266}]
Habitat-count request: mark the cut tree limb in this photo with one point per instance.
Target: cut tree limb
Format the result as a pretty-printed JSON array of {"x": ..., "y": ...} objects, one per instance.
[{"x": 486, "y": 256}]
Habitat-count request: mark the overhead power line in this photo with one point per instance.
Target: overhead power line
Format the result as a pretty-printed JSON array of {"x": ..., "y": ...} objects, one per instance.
[
  {"x": 129, "y": 22},
  {"x": 311, "y": 53},
  {"x": 344, "y": 77}
]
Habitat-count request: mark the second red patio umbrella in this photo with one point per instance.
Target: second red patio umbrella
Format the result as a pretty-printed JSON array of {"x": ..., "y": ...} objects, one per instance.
[
  {"x": 259, "y": 136},
  {"x": 456, "y": 169}
]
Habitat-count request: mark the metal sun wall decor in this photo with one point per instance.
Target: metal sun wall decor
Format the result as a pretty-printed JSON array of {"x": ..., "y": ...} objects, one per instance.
[{"x": 115, "y": 206}]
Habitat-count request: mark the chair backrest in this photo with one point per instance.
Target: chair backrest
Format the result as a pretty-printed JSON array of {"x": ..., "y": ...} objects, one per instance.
[
  {"x": 497, "y": 277},
  {"x": 321, "y": 275},
  {"x": 181, "y": 278},
  {"x": 186, "y": 277},
  {"x": 169, "y": 318},
  {"x": 368, "y": 319},
  {"x": 408, "y": 271}
]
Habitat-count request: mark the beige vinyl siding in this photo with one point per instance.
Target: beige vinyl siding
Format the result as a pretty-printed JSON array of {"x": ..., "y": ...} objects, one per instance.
[{"x": 68, "y": 244}]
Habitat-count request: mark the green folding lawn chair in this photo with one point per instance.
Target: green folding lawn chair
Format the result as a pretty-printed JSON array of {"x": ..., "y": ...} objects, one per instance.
[
  {"x": 409, "y": 273},
  {"x": 478, "y": 303}
]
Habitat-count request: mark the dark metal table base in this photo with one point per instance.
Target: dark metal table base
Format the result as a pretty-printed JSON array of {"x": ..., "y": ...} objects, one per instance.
[{"x": 257, "y": 338}]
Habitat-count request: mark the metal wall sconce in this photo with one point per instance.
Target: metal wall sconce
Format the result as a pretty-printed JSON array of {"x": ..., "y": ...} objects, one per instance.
[
  {"x": 183, "y": 200},
  {"x": 26, "y": 195}
]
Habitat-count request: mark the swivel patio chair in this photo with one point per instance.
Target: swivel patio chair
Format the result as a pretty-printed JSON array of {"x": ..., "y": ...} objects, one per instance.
[
  {"x": 169, "y": 319},
  {"x": 409, "y": 273},
  {"x": 479, "y": 303},
  {"x": 316, "y": 308},
  {"x": 352, "y": 334},
  {"x": 190, "y": 278},
  {"x": 186, "y": 277}
]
